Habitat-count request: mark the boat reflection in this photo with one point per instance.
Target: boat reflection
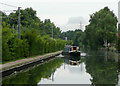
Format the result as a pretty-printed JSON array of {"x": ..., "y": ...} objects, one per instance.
[{"x": 72, "y": 60}]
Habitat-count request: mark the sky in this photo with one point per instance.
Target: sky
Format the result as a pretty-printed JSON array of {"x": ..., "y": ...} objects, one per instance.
[{"x": 66, "y": 14}]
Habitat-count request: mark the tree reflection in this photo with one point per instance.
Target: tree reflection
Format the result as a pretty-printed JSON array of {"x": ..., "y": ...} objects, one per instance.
[
  {"x": 34, "y": 75},
  {"x": 103, "y": 72},
  {"x": 119, "y": 63}
]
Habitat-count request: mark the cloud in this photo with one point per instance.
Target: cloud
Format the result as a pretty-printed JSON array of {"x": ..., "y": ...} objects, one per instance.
[{"x": 77, "y": 20}]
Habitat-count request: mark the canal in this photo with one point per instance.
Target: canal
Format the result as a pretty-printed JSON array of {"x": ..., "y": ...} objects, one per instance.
[{"x": 93, "y": 67}]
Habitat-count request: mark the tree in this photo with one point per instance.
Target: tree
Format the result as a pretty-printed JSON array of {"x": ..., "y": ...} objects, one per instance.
[
  {"x": 102, "y": 27},
  {"x": 74, "y": 37}
]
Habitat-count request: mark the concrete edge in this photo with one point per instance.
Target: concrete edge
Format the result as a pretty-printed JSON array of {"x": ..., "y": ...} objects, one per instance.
[{"x": 29, "y": 61}]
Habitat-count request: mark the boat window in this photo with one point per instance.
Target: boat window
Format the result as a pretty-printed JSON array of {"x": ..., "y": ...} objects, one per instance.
[{"x": 74, "y": 48}]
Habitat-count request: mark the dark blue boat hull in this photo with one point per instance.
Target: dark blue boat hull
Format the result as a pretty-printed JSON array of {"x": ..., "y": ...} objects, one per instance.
[{"x": 69, "y": 54}]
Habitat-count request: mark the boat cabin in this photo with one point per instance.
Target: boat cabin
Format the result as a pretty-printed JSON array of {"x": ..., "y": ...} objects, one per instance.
[{"x": 69, "y": 48}]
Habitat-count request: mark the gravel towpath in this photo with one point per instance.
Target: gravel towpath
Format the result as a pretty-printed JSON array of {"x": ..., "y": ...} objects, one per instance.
[{"x": 13, "y": 64}]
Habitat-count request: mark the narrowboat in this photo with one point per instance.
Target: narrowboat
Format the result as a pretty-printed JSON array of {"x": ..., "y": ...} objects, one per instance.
[{"x": 71, "y": 51}]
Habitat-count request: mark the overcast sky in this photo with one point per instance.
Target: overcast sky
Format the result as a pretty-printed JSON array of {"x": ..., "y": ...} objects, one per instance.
[{"x": 66, "y": 14}]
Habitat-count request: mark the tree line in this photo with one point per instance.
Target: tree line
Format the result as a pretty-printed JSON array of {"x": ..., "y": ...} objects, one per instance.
[
  {"x": 102, "y": 29},
  {"x": 118, "y": 39},
  {"x": 76, "y": 37},
  {"x": 35, "y": 36}
]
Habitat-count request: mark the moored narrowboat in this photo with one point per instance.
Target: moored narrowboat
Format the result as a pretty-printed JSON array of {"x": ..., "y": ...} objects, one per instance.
[{"x": 71, "y": 50}]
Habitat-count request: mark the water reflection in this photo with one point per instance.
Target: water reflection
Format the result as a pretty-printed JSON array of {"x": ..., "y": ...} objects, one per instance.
[
  {"x": 98, "y": 68},
  {"x": 69, "y": 73},
  {"x": 72, "y": 60},
  {"x": 119, "y": 69},
  {"x": 34, "y": 75},
  {"x": 102, "y": 68}
]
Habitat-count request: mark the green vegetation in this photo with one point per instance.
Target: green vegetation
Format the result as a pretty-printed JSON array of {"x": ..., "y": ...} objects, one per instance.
[
  {"x": 102, "y": 28},
  {"x": 118, "y": 39},
  {"x": 35, "y": 36},
  {"x": 29, "y": 20},
  {"x": 118, "y": 44},
  {"x": 75, "y": 36}
]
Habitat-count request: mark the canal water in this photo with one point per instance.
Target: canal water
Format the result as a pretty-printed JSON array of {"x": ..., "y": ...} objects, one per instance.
[{"x": 92, "y": 67}]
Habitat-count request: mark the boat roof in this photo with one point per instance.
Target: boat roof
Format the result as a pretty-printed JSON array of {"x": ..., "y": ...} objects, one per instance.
[{"x": 70, "y": 46}]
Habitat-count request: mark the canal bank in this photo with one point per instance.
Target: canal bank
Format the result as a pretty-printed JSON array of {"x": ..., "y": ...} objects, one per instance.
[{"x": 12, "y": 67}]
